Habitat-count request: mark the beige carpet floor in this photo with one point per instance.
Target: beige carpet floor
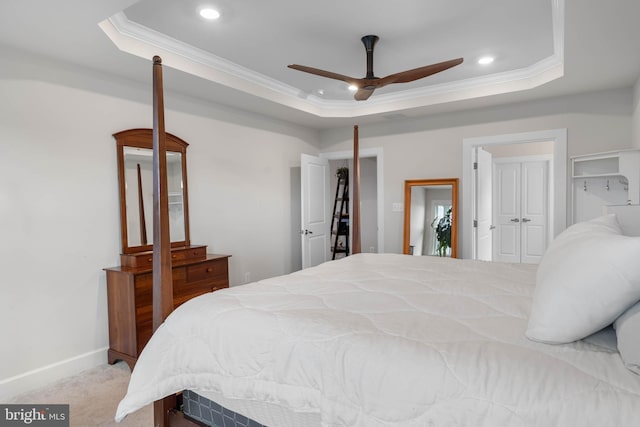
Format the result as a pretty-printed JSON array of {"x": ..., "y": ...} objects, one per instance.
[{"x": 93, "y": 397}]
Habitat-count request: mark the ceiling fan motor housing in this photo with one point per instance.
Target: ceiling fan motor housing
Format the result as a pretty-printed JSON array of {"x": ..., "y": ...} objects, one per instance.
[{"x": 369, "y": 42}]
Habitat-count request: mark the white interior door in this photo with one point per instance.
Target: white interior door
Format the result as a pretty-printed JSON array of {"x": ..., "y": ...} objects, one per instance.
[
  {"x": 507, "y": 212},
  {"x": 484, "y": 227},
  {"x": 534, "y": 206},
  {"x": 316, "y": 212},
  {"x": 521, "y": 211}
]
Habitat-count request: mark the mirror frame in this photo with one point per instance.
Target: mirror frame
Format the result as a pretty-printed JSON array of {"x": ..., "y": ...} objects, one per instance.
[
  {"x": 143, "y": 138},
  {"x": 408, "y": 185}
]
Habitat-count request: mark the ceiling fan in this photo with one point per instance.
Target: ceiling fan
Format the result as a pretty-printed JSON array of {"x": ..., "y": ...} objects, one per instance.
[{"x": 370, "y": 82}]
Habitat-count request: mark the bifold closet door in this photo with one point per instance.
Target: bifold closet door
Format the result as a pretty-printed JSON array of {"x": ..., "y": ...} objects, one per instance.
[{"x": 521, "y": 211}]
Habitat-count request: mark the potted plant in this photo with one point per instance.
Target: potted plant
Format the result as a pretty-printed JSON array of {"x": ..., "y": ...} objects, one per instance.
[
  {"x": 342, "y": 172},
  {"x": 442, "y": 227}
]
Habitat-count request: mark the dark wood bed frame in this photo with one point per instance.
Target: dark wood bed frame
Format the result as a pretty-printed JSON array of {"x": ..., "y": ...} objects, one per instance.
[{"x": 166, "y": 412}]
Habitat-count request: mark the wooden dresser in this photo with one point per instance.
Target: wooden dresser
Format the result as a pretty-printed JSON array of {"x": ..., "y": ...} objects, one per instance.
[{"x": 129, "y": 294}]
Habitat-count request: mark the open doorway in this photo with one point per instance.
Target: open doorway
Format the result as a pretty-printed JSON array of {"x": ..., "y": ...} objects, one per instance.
[
  {"x": 474, "y": 216},
  {"x": 371, "y": 193}
]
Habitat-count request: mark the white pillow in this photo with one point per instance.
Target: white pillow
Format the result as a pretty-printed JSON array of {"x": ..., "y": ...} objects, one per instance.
[
  {"x": 628, "y": 331},
  {"x": 588, "y": 276}
]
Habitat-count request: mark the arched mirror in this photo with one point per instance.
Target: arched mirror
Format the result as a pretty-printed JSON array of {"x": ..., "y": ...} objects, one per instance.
[
  {"x": 430, "y": 217},
  {"x": 135, "y": 175}
]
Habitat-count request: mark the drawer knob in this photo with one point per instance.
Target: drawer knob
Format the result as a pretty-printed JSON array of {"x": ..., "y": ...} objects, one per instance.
[
  {"x": 149, "y": 259},
  {"x": 173, "y": 256},
  {"x": 209, "y": 270}
]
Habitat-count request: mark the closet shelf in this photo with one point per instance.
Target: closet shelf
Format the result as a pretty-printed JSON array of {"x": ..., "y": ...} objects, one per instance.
[
  {"x": 600, "y": 175},
  {"x": 601, "y": 179}
]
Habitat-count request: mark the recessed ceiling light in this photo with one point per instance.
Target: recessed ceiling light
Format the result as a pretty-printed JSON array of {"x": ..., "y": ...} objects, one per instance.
[
  {"x": 486, "y": 60},
  {"x": 353, "y": 88},
  {"x": 209, "y": 13}
]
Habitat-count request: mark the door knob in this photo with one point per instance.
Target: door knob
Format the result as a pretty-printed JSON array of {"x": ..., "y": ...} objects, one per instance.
[
  {"x": 492, "y": 227},
  {"x": 525, "y": 220},
  {"x": 305, "y": 232},
  {"x": 515, "y": 220}
]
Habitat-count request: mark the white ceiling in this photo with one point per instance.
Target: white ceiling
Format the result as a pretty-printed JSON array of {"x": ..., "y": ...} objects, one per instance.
[{"x": 543, "y": 48}]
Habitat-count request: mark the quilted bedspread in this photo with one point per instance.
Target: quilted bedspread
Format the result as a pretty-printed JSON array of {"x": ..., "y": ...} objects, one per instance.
[{"x": 387, "y": 340}]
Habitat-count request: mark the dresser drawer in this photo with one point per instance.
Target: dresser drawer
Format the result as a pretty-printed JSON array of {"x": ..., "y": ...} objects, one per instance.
[
  {"x": 144, "y": 285},
  {"x": 141, "y": 260},
  {"x": 202, "y": 278},
  {"x": 215, "y": 271},
  {"x": 179, "y": 255},
  {"x": 187, "y": 255}
]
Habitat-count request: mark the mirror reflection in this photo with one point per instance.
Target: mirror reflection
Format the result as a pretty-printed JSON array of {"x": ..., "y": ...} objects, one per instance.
[
  {"x": 430, "y": 217},
  {"x": 135, "y": 179},
  {"x": 138, "y": 175}
]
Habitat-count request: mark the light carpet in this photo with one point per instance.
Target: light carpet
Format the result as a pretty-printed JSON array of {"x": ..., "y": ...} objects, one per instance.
[{"x": 93, "y": 397}]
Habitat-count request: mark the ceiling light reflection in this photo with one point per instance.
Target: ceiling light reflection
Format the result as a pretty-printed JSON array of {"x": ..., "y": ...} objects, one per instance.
[
  {"x": 209, "y": 13},
  {"x": 485, "y": 60}
]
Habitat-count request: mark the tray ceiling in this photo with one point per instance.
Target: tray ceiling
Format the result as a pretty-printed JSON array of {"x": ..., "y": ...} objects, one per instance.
[{"x": 249, "y": 47}]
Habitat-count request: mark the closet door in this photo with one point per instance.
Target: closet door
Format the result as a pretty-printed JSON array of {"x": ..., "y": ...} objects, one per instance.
[
  {"x": 534, "y": 207},
  {"x": 521, "y": 211},
  {"x": 507, "y": 212}
]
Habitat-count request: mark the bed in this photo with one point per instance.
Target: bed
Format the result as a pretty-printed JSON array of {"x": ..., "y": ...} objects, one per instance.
[{"x": 394, "y": 340}]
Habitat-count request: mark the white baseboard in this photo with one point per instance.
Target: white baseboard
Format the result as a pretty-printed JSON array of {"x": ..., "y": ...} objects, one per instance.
[{"x": 19, "y": 384}]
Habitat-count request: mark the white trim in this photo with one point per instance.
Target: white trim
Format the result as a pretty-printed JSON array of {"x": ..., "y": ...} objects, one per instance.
[
  {"x": 136, "y": 39},
  {"x": 558, "y": 172},
  {"x": 602, "y": 154},
  {"x": 378, "y": 153},
  {"x": 27, "y": 381},
  {"x": 520, "y": 159}
]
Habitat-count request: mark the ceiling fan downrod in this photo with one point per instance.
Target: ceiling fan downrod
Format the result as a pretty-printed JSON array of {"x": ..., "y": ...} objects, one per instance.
[{"x": 369, "y": 42}]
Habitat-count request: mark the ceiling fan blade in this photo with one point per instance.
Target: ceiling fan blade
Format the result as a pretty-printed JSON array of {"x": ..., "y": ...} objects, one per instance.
[
  {"x": 370, "y": 82},
  {"x": 418, "y": 73},
  {"x": 323, "y": 73},
  {"x": 363, "y": 94}
]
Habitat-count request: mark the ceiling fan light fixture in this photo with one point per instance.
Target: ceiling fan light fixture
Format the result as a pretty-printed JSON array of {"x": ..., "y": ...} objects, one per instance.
[
  {"x": 486, "y": 60},
  {"x": 209, "y": 13},
  {"x": 353, "y": 88}
]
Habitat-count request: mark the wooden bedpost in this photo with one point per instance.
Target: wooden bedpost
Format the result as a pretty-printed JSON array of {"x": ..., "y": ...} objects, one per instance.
[
  {"x": 356, "y": 249},
  {"x": 162, "y": 280}
]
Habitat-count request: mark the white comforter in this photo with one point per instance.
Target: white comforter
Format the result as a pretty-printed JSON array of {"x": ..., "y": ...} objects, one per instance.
[{"x": 387, "y": 340}]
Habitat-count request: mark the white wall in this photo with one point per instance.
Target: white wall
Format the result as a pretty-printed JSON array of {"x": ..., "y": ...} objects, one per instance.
[
  {"x": 59, "y": 214},
  {"x": 368, "y": 204},
  {"x": 431, "y": 147},
  {"x": 636, "y": 114},
  {"x": 417, "y": 221}
]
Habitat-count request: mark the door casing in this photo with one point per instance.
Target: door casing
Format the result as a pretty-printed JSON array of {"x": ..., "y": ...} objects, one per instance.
[{"x": 557, "y": 178}]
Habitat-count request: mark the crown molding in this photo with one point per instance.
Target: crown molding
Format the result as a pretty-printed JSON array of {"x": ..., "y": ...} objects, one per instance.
[{"x": 136, "y": 39}]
